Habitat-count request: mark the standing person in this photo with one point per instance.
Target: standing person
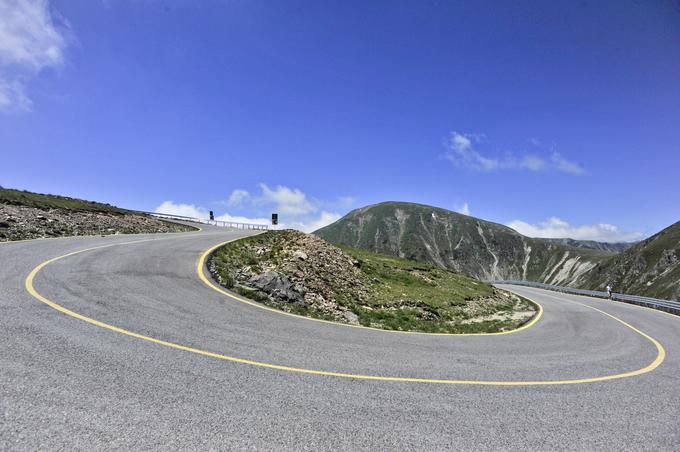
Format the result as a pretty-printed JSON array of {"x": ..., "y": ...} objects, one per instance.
[{"x": 609, "y": 291}]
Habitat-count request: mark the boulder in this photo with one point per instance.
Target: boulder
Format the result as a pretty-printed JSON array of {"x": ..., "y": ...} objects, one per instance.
[
  {"x": 300, "y": 255},
  {"x": 351, "y": 317},
  {"x": 277, "y": 285}
]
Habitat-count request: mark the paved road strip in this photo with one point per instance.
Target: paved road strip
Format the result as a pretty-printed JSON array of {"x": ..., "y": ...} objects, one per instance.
[{"x": 29, "y": 285}]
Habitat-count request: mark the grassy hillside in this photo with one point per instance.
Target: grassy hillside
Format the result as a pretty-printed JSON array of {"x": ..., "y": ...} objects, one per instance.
[
  {"x": 26, "y": 215},
  {"x": 650, "y": 268},
  {"x": 42, "y": 201},
  {"x": 303, "y": 274},
  {"x": 461, "y": 243}
]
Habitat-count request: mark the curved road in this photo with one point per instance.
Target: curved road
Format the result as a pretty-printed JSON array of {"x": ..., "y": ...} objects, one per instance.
[{"x": 137, "y": 352}]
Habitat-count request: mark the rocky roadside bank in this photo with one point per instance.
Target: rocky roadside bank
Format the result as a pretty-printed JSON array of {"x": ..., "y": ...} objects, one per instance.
[
  {"x": 303, "y": 274},
  {"x": 23, "y": 222}
]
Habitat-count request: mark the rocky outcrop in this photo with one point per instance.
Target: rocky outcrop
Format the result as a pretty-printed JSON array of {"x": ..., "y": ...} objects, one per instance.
[
  {"x": 277, "y": 285},
  {"x": 295, "y": 268}
]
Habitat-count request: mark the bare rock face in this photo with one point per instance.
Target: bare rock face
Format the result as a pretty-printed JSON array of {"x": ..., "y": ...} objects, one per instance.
[
  {"x": 323, "y": 270},
  {"x": 294, "y": 268},
  {"x": 277, "y": 285}
]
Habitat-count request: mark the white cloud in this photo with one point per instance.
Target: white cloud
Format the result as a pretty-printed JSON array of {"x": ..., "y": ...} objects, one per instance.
[
  {"x": 462, "y": 153},
  {"x": 287, "y": 201},
  {"x": 311, "y": 225},
  {"x": 325, "y": 219},
  {"x": 532, "y": 162},
  {"x": 185, "y": 210},
  {"x": 30, "y": 41},
  {"x": 464, "y": 209},
  {"x": 561, "y": 164},
  {"x": 295, "y": 210},
  {"x": 237, "y": 197},
  {"x": 13, "y": 95},
  {"x": 554, "y": 227},
  {"x": 242, "y": 219},
  {"x": 190, "y": 210}
]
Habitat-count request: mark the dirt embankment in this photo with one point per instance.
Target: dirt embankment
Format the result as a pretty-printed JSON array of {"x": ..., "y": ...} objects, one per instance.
[{"x": 24, "y": 222}]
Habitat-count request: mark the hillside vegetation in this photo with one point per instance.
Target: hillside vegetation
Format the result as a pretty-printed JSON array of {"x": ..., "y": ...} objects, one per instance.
[
  {"x": 42, "y": 201},
  {"x": 303, "y": 274},
  {"x": 491, "y": 251},
  {"x": 26, "y": 215},
  {"x": 461, "y": 243},
  {"x": 650, "y": 268}
]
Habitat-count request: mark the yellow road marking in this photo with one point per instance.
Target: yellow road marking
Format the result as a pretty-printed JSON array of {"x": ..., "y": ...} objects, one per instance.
[
  {"x": 200, "y": 269},
  {"x": 31, "y": 290}
]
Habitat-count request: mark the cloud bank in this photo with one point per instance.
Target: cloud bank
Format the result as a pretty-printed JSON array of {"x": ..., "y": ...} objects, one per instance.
[
  {"x": 554, "y": 227},
  {"x": 237, "y": 197},
  {"x": 30, "y": 42},
  {"x": 296, "y": 210},
  {"x": 285, "y": 200},
  {"x": 462, "y": 152},
  {"x": 190, "y": 210}
]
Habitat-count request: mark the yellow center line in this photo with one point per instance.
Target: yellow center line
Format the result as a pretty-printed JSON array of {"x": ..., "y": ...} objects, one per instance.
[{"x": 31, "y": 290}]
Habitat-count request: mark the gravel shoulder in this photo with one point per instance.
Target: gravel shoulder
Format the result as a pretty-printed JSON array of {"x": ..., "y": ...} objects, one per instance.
[{"x": 26, "y": 215}]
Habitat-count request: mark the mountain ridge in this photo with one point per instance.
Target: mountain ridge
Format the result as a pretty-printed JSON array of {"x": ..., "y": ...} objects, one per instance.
[
  {"x": 459, "y": 242},
  {"x": 614, "y": 247},
  {"x": 491, "y": 251},
  {"x": 651, "y": 267}
]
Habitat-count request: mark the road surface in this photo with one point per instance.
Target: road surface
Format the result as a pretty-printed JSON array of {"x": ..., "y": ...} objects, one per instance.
[{"x": 123, "y": 345}]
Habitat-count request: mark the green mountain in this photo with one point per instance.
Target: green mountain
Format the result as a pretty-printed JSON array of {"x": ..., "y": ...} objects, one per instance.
[
  {"x": 650, "y": 268},
  {"x": 461, "y": 243}
]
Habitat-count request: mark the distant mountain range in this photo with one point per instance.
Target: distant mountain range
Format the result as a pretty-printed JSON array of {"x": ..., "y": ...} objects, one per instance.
[
  {"x": 491, "y": 251},
  {"x": 593, "y": 245}
]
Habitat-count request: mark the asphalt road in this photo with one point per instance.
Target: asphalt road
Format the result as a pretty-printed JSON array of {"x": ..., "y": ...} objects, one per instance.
[{"x": 172, "y": 375}]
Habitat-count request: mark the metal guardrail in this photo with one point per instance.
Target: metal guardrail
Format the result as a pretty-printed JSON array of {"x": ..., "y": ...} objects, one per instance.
[
  {"x": 656, "y": 303},
  {"x": 225, "y": 224}
]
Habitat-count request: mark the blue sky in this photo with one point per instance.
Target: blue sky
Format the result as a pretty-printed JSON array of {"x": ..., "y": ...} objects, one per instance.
[{"x": 560, "y": 118}]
